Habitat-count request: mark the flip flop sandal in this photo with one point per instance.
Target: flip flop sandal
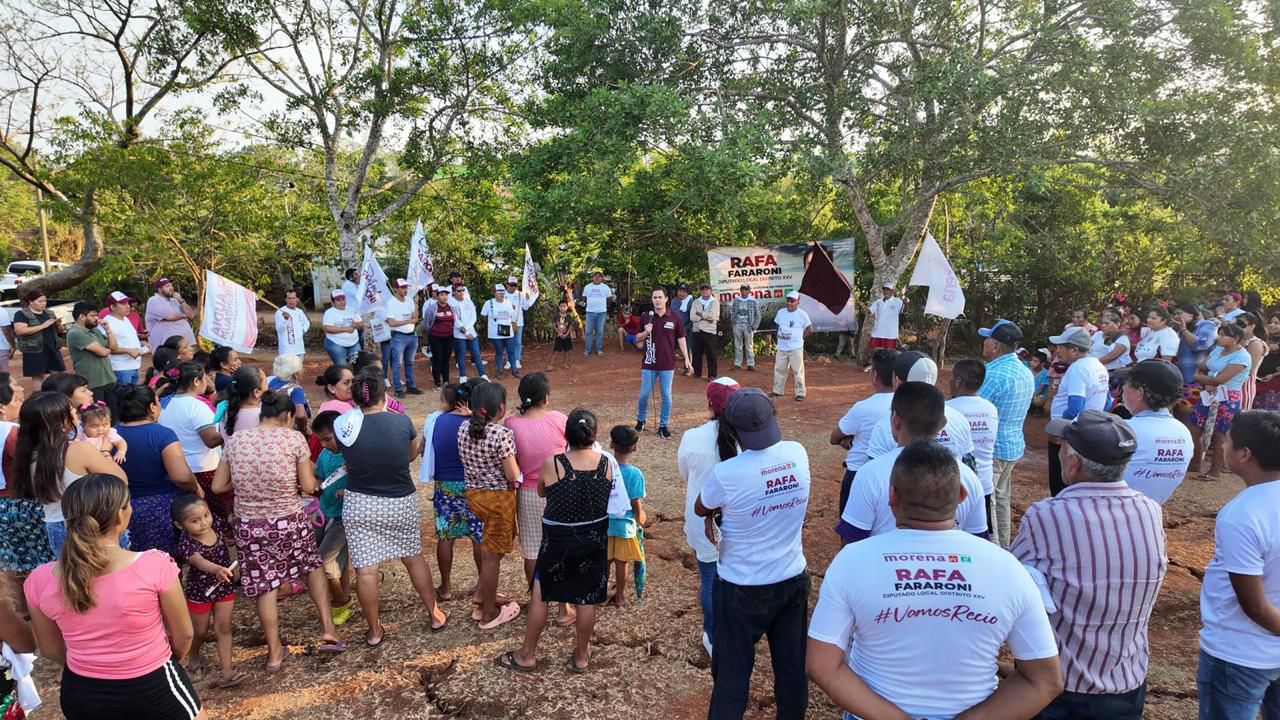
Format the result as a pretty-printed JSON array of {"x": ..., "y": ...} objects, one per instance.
[
  {"x": 228, "y": 683},
  {"x": 507, "y": 661},
  {"x": 509, "y": 612},
  {"x": 573, "y": 666},
  {"x": 381, "y": 639},
  {"x": 197, "y": 673},
  {"x": 573, "y": 619},
  {"x": 440, "y": 628},
  {"x": 332, "y": 647},
  {"x": 476, "y": 614},
  {"x": 280, "y": 666}
]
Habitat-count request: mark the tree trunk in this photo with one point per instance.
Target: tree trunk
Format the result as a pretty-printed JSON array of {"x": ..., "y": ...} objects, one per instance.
[{"x": 90, "y": 256}]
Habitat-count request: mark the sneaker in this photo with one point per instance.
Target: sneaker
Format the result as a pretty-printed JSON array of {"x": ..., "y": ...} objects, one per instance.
[
  {"x": 640, "y": 426},
  {"x": 515, "y": 373},
  {"x": 585, "y": 353},
  {"x": 414, "y": 391},
  {"x": 706, "y": 643},
  {"x": 342, "y": 613},
  {"x": 462, "y": 379},
  {"x": 599, "y": 352},
  {"x": 435, "y": 389},
  {"x": 519, "y": 366},
  {"x": 774, "y": 394},
  {"x": 751, "y": 368},
  {"x": 400, "y": 394},
  {"x": 799, "y": 398},
  {"x": 664, "y": 433},
  {"x": 485, "y": 378}
]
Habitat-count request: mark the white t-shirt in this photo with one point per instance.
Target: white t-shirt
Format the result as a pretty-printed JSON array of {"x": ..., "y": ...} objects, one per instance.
[
  {"x": 791, "y": 327},
  {"x": 378, "y": 325},
  {"x": 954, "y": 436},
  {"x": 764, "y": 495},
  {"x": 401, "y": 310},
  {"x": 887, "y": 313},
  {"x": 500, "y": 314},
  {"x": 597, "y": 296},
  {"x": 922, "y": 615},
  {"x": 1246, "y": 542},
  {"x": 126, "y": 337},
  {"x": 984, "y": 420},
  {"x": 1231, "y": 315},
  {"x": 464, "y": 318},
  {"x": 292, "y": 332},
  {"x": 1084, "y": 378},
  {"x": 334, "y": 317},
  {"x": 696, "y": 458},
  {"x": 1101, "y": 349},
  {"x": 1165, "y": 340},
  {"x": 351, "y": 290},
  {"x": 868, "y": 505},
  {"x": 859, "y": 422},
  {"x": 1163, "y": 454},
  {"x": 185, "y": 416},
  {"x": 5, "y": 321}
]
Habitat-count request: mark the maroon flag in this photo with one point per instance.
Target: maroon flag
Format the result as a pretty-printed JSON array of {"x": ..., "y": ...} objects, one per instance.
[{"x": 824, "y": 283}]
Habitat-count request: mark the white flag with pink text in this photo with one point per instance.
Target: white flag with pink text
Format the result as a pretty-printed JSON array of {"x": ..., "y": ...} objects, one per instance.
[
  {"x": 230, "y": 313},
  {"x": 422, "y": 268}
]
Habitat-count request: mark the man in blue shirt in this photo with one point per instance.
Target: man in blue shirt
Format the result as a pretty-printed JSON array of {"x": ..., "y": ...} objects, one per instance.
[{"x": 1009, "y": 386}]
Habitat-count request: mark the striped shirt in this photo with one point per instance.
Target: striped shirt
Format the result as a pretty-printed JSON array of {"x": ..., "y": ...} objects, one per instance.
[
  {"x": 1101, "y": 547},
  {"x": 1009, "y": 386}
]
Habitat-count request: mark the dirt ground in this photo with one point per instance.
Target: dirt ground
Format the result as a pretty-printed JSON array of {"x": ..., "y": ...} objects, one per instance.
[{"x": 647, "y": 659}]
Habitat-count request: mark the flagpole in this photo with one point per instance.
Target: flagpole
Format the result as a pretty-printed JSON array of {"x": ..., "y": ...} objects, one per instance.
[{"x": 941, "y": 358}]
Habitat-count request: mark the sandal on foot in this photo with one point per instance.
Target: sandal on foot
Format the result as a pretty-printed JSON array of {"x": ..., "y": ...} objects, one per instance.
[
  {"x": 280, "y": 665},
  {"x": 572, "y": 664},
  {"x": 226, "y": 683},
  {"x": 196, "y": 672},
  {"x": 332, "y": 647},
  {"x": 507, "y": 661},
  {"x": 566, "y": 622},
  {"x": 368, "y": 640},
  {"x": 444, "y": 597},
  {"x": 439, "y": 628},
  {"x": 509, "y": 612}
]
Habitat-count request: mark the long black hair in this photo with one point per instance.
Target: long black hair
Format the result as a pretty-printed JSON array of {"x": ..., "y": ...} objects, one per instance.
[
  {"x": 182, "y": 378},
  {"x": 243, "y": 382},
  {"x": 534, "y": 389},
  {"x": 486, "y": 403},
  {"x": 369, "y": 387},
  {"x": 41, "y": 453}
]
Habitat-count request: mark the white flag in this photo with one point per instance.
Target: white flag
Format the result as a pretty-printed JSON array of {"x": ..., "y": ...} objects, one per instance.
[
  {"x": 371, "y": 293},
  {"x": 230, "y": 313},
  {"x": 946, "y": 297},
  {"x": 529, "y": 283},
  {"x": 422, "y": 269}
]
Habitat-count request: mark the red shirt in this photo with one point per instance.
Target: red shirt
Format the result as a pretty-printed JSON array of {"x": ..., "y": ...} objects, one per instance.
[
  {"x": 631, "y": 324},
  {"x": 660, "y": 345},
  {"x": 442, "y": 325}
]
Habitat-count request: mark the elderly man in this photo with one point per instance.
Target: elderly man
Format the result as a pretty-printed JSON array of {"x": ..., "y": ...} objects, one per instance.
[
  {"x": 745, "y": 314},
  {"x": 1103, "y": 592},
  {"x": 1084, "y": 386},
  {"x": 1009, "y": 385},
  {"x": 168, "y": 314}
]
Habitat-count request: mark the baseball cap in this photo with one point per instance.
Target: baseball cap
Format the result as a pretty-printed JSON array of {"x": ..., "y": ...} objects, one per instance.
[
  {"x": 793, "y": 295},
  {"x": 117, "y": 297},
  {"x": 718, "y": 392},
  {"x": 402, "y": 283},
  {"x": 512, "y": 280},
  {"x": 337, "y": 294},
  {"x": 162, "y": 282},
  {"x": 744, "y": 286},
  {"x": 1101, "y": 437},
  {"x": 705, "y": 285},
  {"x": 1004, "y": 331},
  {"x": 1046, "y": 353},
  {"x": 887, "y": 286},
  {"x": 437, "y": 289},
  {"x": 1076, "y": 336},
  {"x": 500, "y": 288},
  {"x": 460, "y": 288},
  {"x": 751, "y": 415},
  {"x": 1160, "y": 377},
  {"x": 683, "y": 287},
  {"x": 915, "y": 366}
]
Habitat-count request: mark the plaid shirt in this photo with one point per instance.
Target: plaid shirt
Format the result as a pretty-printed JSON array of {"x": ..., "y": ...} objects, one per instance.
[
  {"x": 1009, "y": 386},
  {"x": 482, "y": 459}
]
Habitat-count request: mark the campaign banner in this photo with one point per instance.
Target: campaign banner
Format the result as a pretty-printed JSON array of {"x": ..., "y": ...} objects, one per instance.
[
  {"x": 422, "y": 267},
  {"x": 772, "y": 271},
  {"x": 230, "y": 313}
]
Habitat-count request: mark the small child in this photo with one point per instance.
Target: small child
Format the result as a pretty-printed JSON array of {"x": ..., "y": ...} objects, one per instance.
[
  {"x": 95, "y": 429},
  {"x": 1040, "y": 400},
  {"x": 624, "y": 533},
  {"x": 210, "y": 585},
  {"x": 566, "y": 323},
  {"x": 331, "y": 472}
]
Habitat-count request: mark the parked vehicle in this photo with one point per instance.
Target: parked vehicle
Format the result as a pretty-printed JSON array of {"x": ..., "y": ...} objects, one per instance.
[{"x": 20, "y": 271}]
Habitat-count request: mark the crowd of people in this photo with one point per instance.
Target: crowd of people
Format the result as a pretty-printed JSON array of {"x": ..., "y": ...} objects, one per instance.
[{"x": 136, "y": 507}]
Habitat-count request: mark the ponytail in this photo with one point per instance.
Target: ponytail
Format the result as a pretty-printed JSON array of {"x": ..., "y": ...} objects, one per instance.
[
  {"x": 534, "y": 389},
  {"x": 726, "y": 439},
  {"x": 180, "y": 378},
  {"x": 91, "y": 507},
  {"x": 486, "y": 404},
  {"x": 369, "y": 387},
  {"x": 243, "y": 382}
]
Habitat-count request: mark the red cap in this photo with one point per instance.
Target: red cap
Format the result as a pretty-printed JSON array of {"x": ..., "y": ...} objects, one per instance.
[
  {"x": 117, "y": 297},
  {"x": 162, "y": 282},
  {"x": 718, "y": 392}
]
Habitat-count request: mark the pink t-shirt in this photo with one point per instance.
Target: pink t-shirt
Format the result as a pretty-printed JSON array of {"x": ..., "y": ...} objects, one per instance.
[
  {"x": 122, "y": 636},
  {"x": 536, "y": 440}
]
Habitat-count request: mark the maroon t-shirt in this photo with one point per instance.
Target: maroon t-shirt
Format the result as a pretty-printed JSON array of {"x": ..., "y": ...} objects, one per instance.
[
  {"x": 660, "y": 345},
  {"x": 442, "y": 326}
]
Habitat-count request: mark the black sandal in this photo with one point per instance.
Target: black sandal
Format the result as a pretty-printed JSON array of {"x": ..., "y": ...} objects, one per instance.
[{"x": 507, "y": 661}]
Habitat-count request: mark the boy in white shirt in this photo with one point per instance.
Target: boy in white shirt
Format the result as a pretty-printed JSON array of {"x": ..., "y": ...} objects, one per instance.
[
  {"x": 853, "y": 431},
  {"x": 1239, "y": 671},
  {"x": 967, "y": 376},
  {"x": 886, "y": 310}
]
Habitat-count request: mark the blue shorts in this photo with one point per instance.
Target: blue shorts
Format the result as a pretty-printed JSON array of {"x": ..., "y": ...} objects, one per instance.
[{"x": 631, "y": 339}]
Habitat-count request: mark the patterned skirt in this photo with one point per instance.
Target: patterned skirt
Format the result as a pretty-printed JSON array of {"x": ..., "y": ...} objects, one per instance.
[
  {"x": 381, "y": 528},
  {"x": 573, "y": 563},
  {"x": 151, "y": 526},
  {"x": 24, "y": 544},
  {"x": 529, "y": 509},
  {"x": 1227, "y": 410},
  {"x": 275, "y": 551},
  {"x": 454, "y": 519}
]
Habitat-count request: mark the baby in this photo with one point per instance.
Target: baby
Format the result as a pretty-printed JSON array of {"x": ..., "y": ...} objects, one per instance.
[{"x": 95, "y": 429}]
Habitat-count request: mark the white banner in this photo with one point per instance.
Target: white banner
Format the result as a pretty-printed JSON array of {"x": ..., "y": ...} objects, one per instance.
[
  {"x": 946, "y": 297},
  {"x": 371, "y": 293},
  {"x": 529, "y": 283},
  {"x": 422, "y": 267},
  {"x": 230, "y": 313},
  {"x": 772, "y": 271}
]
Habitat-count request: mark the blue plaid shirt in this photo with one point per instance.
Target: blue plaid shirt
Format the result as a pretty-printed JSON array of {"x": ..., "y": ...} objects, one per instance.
[{"x": 1009, "y": 386}]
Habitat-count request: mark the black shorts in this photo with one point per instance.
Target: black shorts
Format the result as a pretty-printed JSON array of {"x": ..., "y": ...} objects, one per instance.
[
  {"x": 562, "y": 345},
  {"x": 42, "y": 363},
  {"x": 165, "y": 693}
]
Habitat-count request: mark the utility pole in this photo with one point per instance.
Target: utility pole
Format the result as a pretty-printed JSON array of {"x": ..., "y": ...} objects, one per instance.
[{"x": 44, "y": 230}]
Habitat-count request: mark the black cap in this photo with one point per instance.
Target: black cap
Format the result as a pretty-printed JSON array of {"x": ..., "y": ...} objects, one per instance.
[
  {"x": 705, "y": 285},
  {"x": 1004, "y": 331},
  {"x": 751, "y": 415},
  {"x": 684, "y": 287},
  {"x": 1101, "y": 437},
  {"x": 1160, "y": 377}
]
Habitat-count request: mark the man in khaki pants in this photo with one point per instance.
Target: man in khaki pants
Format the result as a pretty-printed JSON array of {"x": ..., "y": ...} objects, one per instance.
[{"x": 793, "y": 327}]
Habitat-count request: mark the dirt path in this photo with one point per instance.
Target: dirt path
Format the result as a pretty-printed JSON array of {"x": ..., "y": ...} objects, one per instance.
[{"x": 647, "y": 659}]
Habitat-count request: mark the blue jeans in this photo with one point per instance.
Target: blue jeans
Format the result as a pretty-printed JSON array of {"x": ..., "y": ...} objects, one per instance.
[
  {"x": 403, "y": 348},
  {"x": 127, "y": 377},
  {"x": 339, "y": 354},
  {"x": 384, "y": 354},
  {"x": 744, "y": 614},
  {"x": 515, "y": 348},
  {"x": 502, "y": 353},
  {"x": 460, "y": 348},
  {"x": 1235, "y": 692},
  {"x": 57, "y": 534},
  {"x": 647, "y": 378},
  {"x": 707, "y": 576},
  {"x": 594, "y": 340}
]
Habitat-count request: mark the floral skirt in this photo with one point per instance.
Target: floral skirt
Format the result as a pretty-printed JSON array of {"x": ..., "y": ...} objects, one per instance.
[
  {"x": 275, "y": 551},
  {"x": 454, "y": 519},
  {"x": 24, "y": 544},
  {"x": 1227, "y": 410},
  {"x": 573, "y": 563},
  {"x": 151, "y": 527}
]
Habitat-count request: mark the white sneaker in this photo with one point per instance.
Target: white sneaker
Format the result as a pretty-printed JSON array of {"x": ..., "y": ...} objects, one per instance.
[
  {"x": 485, "y": 378},
  {"x": 706, "y": 643},
  {"x": 462, "y": 379},
  {"x": 519, "y": 366},
  {"x": 599, "y": 352}
]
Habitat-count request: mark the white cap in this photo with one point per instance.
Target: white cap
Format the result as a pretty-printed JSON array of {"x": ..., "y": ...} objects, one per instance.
[
  {"x": 402, "y": 283},
  {"x": 118, "y": 297},
  {"x": 887, "y": 286},
  {"x": 793, "y": 295},
  {"x": 512, "y": 280},
  {"x": 500, "y": 288},
  {"x": 337, "y": 294}
]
